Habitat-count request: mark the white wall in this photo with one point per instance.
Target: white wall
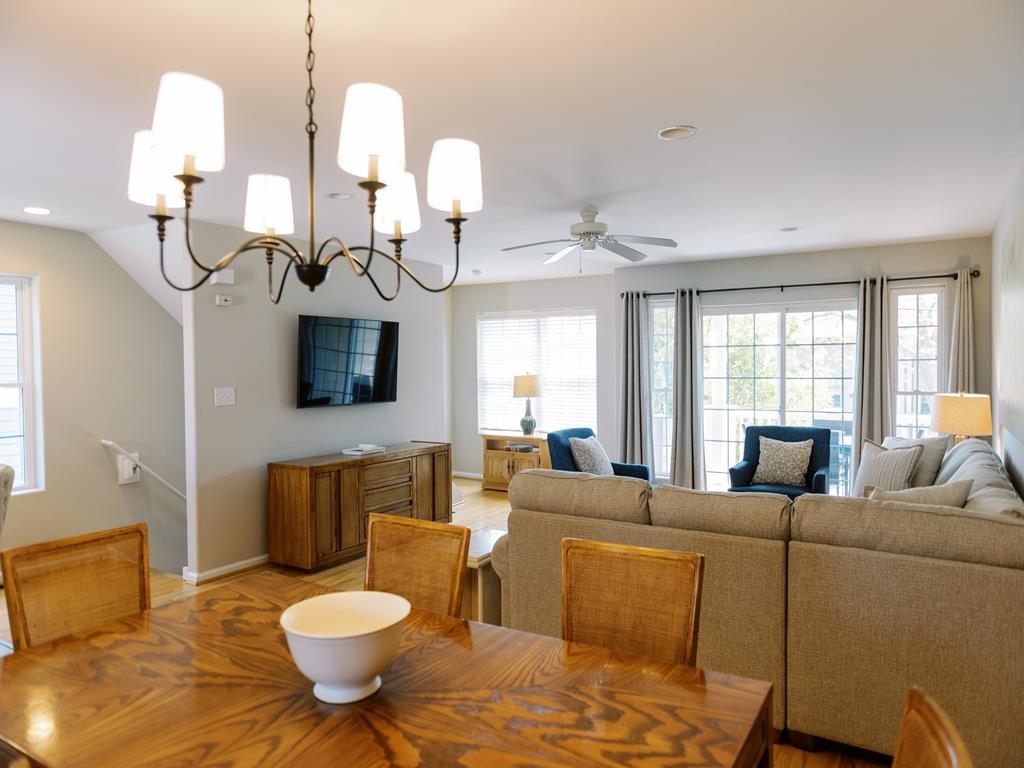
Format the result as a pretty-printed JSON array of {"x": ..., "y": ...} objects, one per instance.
[
  {"x": 468, "y": 301},
  {"x": 252, "y": 346},
  {"x": 111, "y": 361},
  {"x": 1007, "y": 322}
]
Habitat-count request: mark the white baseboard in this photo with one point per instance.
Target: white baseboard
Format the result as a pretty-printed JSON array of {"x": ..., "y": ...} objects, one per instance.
[
  {"x": 468, "y": 475},
  {"x": 191, "y": 577}
]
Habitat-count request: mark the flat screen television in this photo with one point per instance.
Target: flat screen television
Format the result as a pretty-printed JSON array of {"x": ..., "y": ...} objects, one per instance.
[{"x": 346, "y": 361}]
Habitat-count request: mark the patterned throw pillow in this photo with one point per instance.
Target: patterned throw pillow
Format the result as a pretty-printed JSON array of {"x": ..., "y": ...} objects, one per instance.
[
  {"x": 888, "y": 470},
  {"x": 590, "y": 455},
  {"x": 783, "y": 463}
]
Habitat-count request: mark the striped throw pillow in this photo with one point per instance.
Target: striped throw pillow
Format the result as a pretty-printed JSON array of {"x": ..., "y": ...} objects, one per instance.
[{"x": 885, "y": 469}]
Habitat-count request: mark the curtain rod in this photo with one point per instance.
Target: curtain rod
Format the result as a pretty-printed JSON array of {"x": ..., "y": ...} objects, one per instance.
[{"x": 953, "y": 275}]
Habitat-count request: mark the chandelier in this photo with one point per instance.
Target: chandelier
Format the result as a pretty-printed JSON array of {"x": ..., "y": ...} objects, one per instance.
[{"x": 187, "y": 136}]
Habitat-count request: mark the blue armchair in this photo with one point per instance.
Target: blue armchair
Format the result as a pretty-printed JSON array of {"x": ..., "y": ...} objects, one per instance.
[
  {"x": 562, "y": 458},
  {"x": 816, "y": 481}
]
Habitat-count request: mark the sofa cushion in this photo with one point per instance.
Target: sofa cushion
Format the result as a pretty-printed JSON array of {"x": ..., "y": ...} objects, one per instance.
[
  {"x": 933, "y": 450},
  {"x": 590, "y": 455},
  {"x": 581, "y": 494},
  {"x": 889, "y": 470},
  {"x": 976, "y": 460},
  {"x": 996, "y": 501},
  {"x": 945, "y": 533},
  {"x": 948, "y": 495},
  {"x": 757, "y": 515},
  {"x": 782, "y": 463}
]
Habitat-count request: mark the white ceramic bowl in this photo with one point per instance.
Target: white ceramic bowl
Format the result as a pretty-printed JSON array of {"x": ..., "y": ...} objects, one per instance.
[{"x": 344, "y": 640}]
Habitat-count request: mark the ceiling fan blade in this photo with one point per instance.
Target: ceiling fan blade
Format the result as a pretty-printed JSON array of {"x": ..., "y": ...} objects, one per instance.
[
  {"x": 542, "y": 242},
  {"x": 559, "y": 254},
  {"x": 662, "y": 241},
  {"x": 623, "y": 250}
]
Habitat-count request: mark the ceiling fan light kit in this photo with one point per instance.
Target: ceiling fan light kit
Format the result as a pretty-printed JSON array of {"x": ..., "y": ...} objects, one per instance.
[
  {"x": 187, "y": 137},
  {"x": 589, "y": 234}
]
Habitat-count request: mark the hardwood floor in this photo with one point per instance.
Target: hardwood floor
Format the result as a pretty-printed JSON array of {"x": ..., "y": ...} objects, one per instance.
[{"x": 480, "y": 510}]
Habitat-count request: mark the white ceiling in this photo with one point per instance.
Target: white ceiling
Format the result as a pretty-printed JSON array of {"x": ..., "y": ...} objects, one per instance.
[{"x": 859, "y": 122}]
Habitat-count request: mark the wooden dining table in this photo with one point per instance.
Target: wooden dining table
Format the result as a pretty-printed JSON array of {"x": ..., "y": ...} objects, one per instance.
[{"x": 208, "y": 680}]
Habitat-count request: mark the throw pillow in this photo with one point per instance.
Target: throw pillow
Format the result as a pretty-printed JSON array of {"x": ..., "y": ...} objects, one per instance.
[
  {"x": 948, "y": 495},
  {"x": 782, "y": 463},
  {"x": 888, "y": 470},
  {"x": 590, "y": 455},
  {"x": 932, "y": 454}
]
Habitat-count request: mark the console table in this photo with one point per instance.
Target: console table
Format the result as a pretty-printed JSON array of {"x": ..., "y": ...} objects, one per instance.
[
  {"x": 501, "y": 464},
  {"x": 317, "y": 507}
]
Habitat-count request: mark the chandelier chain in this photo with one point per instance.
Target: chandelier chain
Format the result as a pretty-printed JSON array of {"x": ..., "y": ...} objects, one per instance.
[{"x": 310, "y": 62}]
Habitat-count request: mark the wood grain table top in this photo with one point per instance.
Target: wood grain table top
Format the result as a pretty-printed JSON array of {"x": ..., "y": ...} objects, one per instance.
[{"x": 208, "y": 680}]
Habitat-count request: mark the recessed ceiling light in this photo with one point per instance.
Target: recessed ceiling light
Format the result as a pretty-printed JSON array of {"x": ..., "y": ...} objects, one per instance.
[
  {"x": 675, "y": 132},
  {"x": 788, "y": 229},
  {"x": 35, "y": 210},
  {"x": 339, "y": 195}
]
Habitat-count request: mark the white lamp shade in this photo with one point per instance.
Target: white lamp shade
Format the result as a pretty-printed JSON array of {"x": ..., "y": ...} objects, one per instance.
[
  {"x": 454, "y": 174},
  {"x": 268, "y": 204},
  {"x": 372, "y": 124},
  {"x": 189, "y": 120},
  {"x": 962, "y": 414},
  {"x": 151, "y": 173},
  {"x": 527, "y": 385},
  {"x": 398, "y": 202}
]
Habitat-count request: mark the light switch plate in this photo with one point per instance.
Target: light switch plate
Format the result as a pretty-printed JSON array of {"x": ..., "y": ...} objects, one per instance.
[{"x": 223, "y": 396}]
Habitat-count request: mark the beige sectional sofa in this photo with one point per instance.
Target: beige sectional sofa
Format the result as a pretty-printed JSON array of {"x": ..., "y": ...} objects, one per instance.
[{"x": 841, "y": 603}]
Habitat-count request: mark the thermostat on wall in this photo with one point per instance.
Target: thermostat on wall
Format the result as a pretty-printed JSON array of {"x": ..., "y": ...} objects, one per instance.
[{"x": 223, "y": 277}]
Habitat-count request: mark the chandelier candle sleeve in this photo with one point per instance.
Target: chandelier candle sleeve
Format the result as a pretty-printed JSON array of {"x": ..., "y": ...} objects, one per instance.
[
  {"x": 189, "y": 121},
  {"x": 268, "y": 205}
]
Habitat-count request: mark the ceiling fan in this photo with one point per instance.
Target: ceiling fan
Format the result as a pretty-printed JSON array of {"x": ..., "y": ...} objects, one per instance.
[{"x": 588, "y": 234}]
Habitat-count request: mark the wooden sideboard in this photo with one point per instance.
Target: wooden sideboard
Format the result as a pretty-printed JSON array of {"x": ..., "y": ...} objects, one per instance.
[
  {"x": 500, "y": 464},
  {"x": 317, "y": 507}
]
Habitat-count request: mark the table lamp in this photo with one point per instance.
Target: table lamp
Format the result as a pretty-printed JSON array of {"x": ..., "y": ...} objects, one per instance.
[
  {"x": 527, "y": 386},
  {"x": 962, "y": 414}
]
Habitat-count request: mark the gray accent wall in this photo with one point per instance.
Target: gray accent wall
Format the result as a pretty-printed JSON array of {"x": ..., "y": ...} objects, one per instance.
[{"x": 111, "y": 367}]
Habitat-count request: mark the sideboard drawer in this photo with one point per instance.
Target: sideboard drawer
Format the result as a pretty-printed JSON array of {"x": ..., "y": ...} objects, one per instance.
[
  {"x": 387, "y": 473},
  {"x": 389, "y": 496}
]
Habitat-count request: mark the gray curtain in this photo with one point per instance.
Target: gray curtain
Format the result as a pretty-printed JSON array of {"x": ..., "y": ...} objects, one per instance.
[
  {"x": 636, "y": 444},
  {"x": 874, "y": 410},
  {"x": 688, "y": 393},
  {"x": 961, "y": 344}
]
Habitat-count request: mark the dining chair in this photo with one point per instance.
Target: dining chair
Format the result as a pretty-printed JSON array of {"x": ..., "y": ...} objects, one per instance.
[
  {"x": 423, "y": 561},
  {"x": 636, "y": 600},
  {"x": 59, "y": 587},
  {"x": 927, "y": 738}
]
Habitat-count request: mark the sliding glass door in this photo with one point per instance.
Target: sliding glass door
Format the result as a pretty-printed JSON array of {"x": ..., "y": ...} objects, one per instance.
[{"x": 789, "y": 365}]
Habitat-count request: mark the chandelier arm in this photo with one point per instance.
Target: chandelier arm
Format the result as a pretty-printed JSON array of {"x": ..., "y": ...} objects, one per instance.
[
  {"x": 174, "y": 285},
  {"x": 343, "y": 250},
  {"x": 270, "y": 281}
]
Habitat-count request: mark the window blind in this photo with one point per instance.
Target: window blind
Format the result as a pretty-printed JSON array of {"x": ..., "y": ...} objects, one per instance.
[{"x": 558, "y": 345}]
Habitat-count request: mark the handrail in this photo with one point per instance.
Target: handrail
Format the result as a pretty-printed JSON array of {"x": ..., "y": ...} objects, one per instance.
[{"x": 156, "y": 475}]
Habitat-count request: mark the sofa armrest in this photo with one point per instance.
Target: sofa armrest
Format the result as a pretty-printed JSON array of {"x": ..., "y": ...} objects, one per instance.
[
  {"x": 639, "y": 471},
  {"x": 742, "y": 474},
  {"x": 499, "y": 557},
  {"x": 819, "y": 483}
]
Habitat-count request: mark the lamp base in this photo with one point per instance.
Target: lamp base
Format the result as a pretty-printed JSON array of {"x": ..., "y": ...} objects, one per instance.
[{"x": 528, "y": 423}]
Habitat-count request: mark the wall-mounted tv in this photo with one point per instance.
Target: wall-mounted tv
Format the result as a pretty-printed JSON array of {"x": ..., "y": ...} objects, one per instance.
[{"x": 346, "y": 361}]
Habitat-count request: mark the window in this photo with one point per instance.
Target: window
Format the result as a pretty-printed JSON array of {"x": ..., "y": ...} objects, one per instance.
[
  {"x": 558, "y": 345},
  {"x": 18, "y": 419},
  {"x": 778, "y": 365},
  {"x": 920, "y": 357},
  {"x": 663, "y": 320}
]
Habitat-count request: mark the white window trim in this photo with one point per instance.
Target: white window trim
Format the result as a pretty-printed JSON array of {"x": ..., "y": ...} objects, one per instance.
[
  {"x": 662, "y": 302},
  {"x": 913, "y": 287},
  {"x": 28, "y": 367}
]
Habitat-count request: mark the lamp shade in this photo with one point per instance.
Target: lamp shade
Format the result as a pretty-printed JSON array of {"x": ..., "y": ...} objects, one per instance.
[
  {"x": 454, "y": 175},
  {"x": 268, "y": 204},
  {"x": 962, "y": 414},
  {"x": 372, "y": 125},
  {"x": 151, "y": 173},
  {"x": 189, "y": 120},
  {"x": 527, "y": 385},
  {"x": 398, "y": 202}
]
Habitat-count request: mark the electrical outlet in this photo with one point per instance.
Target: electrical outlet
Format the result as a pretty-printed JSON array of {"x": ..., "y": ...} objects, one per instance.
[
  {"x": 223, "y": 396},
  {"x": 222, "y": 300},
  {"x": 128, "y": 470}
]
